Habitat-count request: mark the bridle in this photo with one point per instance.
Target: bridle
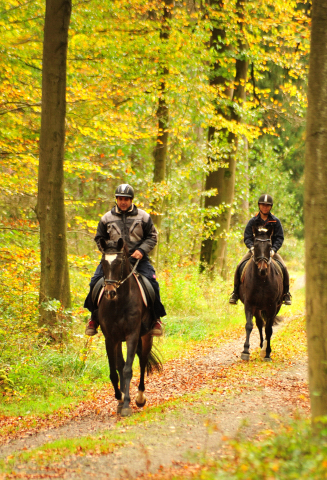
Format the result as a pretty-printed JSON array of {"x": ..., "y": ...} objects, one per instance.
[
  {"x": 118, "y": 283},
  {"x": 260, "y": 259}
]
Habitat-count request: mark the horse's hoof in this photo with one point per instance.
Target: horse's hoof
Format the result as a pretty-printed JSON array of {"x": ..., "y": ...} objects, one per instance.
[
  {"x": 140, "y": 400},
  {"x": 119, "y": 407},
  {"x": 245, "y": 356},
  {"x": 267, "y": 359},
  {"x": 126, "y": 412}
]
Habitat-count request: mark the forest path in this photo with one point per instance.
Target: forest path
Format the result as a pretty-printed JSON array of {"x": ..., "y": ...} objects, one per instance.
[{"x": 219, "y": 396}]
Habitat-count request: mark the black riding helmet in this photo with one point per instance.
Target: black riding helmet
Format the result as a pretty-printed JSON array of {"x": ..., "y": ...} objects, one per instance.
[
  {"x": 124, "y": 190},
  {"x": 266, "y": 200}
]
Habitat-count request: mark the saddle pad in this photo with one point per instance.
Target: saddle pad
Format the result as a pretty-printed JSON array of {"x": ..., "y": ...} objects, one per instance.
[
  {"x": 245, "y": 266},
  {"x": 141, "y": 290},
  {"x": 279, "y": 267},
  {"x": 96, "y": 289}
]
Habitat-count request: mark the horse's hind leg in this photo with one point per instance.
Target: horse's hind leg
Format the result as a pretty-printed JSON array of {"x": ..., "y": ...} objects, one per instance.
[
  {"x": 143, "y": 350},
  {"x": 248, "y": 329},
  {"x": 269, "y": 332},
  {"x": 259, "y": 323}
]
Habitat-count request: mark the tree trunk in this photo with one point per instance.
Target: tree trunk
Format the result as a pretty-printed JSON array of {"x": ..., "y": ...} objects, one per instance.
[
  {"x": 213, "y": 250},
  {"x": 161, "y": 148},
  {"x": 314, "y": 209},
  {"x": 54, "y": 283}
]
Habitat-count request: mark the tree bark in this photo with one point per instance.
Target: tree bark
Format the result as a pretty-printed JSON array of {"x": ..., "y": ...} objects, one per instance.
[
  {"x": 161, "y": 148},
  {"x": 54, "y": 283},
  {"x": 213, "y": 250},
  {"x": 315, "y": 207}
]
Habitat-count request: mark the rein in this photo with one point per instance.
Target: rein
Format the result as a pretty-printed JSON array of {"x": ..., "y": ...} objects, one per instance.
[{"x": 118, "y": 283}]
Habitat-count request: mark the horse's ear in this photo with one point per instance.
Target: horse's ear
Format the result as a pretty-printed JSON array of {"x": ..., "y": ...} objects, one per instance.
[
  {"x": 120, "y": 244},
  {"x": 254, "y": 230},
  {"x": 102, "y": 244}
]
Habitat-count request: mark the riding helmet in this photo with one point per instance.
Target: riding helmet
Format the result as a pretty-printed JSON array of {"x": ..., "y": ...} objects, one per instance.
[
  {"x": 124, "y": 190},
  {"x": 266, "y": 199}
]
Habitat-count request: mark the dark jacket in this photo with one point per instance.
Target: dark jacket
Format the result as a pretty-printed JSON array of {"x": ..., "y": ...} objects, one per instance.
[
  {"x": 135, "y": 227},
  {"x": 277, "y": 238}
]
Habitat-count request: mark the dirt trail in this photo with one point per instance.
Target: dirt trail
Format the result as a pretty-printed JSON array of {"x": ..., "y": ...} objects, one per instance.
[{"x": 192, "y": 429}]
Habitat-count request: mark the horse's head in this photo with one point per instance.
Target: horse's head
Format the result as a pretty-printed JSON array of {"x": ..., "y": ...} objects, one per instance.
[
  {"x": 114, "y": 262},
  {"x": 262, "y": 246}
]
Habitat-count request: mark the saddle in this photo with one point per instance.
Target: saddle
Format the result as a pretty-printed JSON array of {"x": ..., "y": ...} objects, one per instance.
[
  {"x": 278, "y": 266},
  {"x": 146, "y": 289}
]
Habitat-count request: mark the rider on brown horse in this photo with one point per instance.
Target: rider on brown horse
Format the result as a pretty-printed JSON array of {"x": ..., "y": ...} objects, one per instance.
[
  {"x": 265, "y": 203},
  {"x": 136, "y": 228}
]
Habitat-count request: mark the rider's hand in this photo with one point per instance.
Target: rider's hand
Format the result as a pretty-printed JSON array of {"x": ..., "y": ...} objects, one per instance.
[
  {"x": 137, "y": 254},
  {"x": 272, "y": 253},
  {"x": 252, "y": 250}
]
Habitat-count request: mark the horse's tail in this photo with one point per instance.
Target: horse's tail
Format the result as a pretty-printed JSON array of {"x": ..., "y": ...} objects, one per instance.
[
  {"x": 153, "y": 361},
  {"x": 277, "y": 319}
]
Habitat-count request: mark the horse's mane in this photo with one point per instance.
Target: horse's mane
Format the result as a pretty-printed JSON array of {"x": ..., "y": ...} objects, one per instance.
[{"x": 112, "y": 247}]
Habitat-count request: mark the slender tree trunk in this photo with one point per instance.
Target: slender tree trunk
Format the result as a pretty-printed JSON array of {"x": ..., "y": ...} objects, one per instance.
[
  {"x": 213, "y": 250},
  {"x": 314, "y": 209},
  {"x": 54, "y": 282},
  {"x": 161, "y": 148}
]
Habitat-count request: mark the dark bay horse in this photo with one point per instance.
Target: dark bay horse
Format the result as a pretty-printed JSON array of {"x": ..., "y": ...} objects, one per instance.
[
  {"x": 123, "y": 317},
  {"x": 261, "y": 291}
]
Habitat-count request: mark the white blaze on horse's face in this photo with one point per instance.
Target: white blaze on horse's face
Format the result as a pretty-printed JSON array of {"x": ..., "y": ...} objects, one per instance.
[{"x": 110, "y": 257}]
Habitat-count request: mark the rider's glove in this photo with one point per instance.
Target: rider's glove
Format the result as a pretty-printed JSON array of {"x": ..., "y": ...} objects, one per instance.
[
  {"x": 252, "y": 250},
  {"x": 272, "y": 252}
]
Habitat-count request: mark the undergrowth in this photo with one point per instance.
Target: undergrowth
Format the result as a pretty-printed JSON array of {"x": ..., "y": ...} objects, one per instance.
[{"x": 293, "y": 452}]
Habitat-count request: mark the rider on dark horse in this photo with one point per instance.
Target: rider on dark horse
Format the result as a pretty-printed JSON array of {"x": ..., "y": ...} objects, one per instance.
[
  {"x": 136, "y": 228},
  {"x": 264, "y": 216}
]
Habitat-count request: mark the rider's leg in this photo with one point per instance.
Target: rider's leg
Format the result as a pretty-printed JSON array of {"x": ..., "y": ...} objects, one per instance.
[
  {"x": 145, "y": 268},
  {"x": 287, "y": 297},
  {"x": 237, "y": 280},
  {"x": 92, "y": 326}
]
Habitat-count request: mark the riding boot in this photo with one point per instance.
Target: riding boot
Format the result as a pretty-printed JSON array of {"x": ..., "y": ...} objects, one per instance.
[
  {"x": 157, "y": 328},
  {"x": 92, "y": 326},
  {"x": 234, "y": 296},
  {"x": 287, "y": 297}
]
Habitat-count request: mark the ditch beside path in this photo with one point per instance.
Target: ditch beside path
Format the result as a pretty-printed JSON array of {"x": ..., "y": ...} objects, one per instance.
[{"x": 217, "y": 400}]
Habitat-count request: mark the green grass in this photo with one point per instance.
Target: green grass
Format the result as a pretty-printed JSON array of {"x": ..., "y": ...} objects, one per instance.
[{"x": 102, "y": 444}]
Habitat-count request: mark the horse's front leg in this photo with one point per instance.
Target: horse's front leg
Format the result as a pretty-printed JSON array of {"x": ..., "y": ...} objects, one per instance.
[
  {"x": 146, "y": 345},
  {"x": 248, "y": 329},
  {"x": 120, "y": 363},
  {"x": 131, "y": 343},
  {"x": 112, "y": 367}
]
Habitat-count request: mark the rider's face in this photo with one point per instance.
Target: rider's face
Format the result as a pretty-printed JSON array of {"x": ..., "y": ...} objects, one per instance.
[
  {"x": 264, "y": 209},
  {"x": 124, "y": 203}
]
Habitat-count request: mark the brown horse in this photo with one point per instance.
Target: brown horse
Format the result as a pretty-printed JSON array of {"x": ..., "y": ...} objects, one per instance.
[
  {"x": 261, "y": 291},
  {"x": 123, "y": 317}
]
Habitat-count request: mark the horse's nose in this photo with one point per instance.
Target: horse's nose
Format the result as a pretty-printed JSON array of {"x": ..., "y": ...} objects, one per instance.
[{"x": 113, "y": 293}]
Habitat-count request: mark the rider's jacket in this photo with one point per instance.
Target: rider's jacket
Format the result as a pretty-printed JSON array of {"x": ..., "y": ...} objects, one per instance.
[
  {"x": 277, "y": 238},
  {"x": 135, "y": 227}
]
